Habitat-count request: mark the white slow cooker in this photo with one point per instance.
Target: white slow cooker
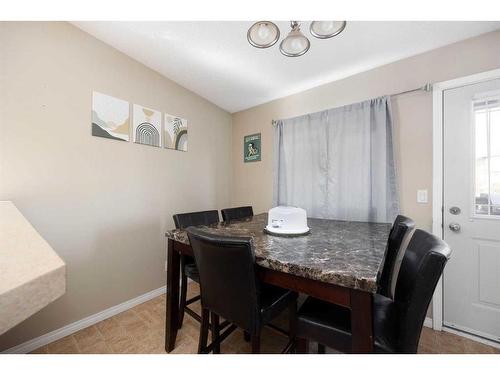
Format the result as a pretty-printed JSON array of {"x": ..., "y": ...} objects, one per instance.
[{"x": 287, "y": 220}]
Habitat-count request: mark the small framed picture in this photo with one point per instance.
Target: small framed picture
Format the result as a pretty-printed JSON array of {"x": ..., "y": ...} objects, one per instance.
[
  {"x": 110, "y": 117},
  {"x": 176, "y": 133},
  {"x": 147, "y": 126},
  {"x": 251, "y": 148}
]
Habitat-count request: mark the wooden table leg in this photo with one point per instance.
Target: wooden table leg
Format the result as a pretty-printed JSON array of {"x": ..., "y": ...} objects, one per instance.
[
  {"x": 172, "y": 310},
  {"x": 361, "y": 322}
]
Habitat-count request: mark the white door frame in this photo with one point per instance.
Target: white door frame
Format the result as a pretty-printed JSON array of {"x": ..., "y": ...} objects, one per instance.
[{"x": 437, "y": 170}]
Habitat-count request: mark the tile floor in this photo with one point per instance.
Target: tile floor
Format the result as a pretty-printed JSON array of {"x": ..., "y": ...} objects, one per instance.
[{"x": 141, "y": 330}]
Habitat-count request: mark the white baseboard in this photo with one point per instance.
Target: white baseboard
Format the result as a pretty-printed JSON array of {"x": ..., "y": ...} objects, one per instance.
[
  {"x": 38, "y": 342},
  {"x": 428, "y": 322}
]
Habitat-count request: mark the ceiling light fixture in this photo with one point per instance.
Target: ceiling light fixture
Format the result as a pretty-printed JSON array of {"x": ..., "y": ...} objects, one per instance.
[
  {"x": 295, "y": 44},
  {"x": 264, "y": 34},
  {"x": 326, "y": 29}
]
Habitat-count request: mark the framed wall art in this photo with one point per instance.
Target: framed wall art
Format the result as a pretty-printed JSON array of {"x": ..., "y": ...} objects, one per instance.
[
  {"x": 147, "y": 126},
  {"x": 251, "y": 148},
  {"x": 110, "y": 117},
  {"x": 176, "y": 133}
]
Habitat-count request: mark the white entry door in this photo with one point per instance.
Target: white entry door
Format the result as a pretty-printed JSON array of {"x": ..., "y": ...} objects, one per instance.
[{"x": 471, "y": 141}]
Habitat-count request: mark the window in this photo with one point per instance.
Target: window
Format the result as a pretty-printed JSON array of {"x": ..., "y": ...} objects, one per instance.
[{"x": 487, "y": 156}]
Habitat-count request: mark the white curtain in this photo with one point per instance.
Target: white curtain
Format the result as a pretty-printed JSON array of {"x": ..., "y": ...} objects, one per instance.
[{"x": 338, "y": 163}]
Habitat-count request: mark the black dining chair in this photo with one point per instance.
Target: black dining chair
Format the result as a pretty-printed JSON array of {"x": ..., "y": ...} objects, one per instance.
[
  {"x": 400, "y": 229},
  {"x": 231, "y": 290},
  {"x": 236, "y": 213},
  {"x": 397, "y": 323},
  {"x": 188, "y": 265}
]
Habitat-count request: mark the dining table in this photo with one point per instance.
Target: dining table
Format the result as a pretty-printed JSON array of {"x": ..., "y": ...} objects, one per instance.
[{"x": 337, "y": 261}]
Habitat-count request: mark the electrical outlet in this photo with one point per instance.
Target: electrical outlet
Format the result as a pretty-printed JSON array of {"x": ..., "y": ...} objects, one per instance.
[{"x": 422, "y": 196}]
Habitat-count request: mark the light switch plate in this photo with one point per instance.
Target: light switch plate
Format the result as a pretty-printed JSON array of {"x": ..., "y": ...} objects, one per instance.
[{"x": 422, "y": 196}]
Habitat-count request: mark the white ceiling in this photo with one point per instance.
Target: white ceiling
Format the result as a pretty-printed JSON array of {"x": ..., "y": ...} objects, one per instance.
[{"x": 214, "y": 59}]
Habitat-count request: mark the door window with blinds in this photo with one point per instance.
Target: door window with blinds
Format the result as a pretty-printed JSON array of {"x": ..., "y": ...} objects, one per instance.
[{"x": 486, "y": 116}]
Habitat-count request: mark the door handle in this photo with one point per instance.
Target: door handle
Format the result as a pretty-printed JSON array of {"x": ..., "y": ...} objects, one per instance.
[{"x": 454, "y": 227}]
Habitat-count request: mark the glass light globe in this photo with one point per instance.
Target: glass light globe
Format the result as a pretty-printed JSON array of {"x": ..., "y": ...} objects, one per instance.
[
  {"x": 326, "y": 29},
  {"x": 263, "y": 31},
  {"x": 263, "y": 34},
  {"x": 295, "y": 44}
]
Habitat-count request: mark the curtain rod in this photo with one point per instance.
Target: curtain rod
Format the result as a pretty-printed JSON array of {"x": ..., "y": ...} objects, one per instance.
[{"x": 427, "y": 88}]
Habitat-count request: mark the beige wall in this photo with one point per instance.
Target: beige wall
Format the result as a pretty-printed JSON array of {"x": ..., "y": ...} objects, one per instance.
[
  {"x": 103, "y": 205},
  {"x": 252, "y": 182}
]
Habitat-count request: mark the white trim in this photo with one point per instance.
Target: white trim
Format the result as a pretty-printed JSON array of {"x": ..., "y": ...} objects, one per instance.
[
  {"x": 38, "y": 342},
  {"x": 467, "y": 80},
  {"x": 437, "y": 171},
  {"x": 437, "y": 195},
  {"x": 428, "y": 322}
]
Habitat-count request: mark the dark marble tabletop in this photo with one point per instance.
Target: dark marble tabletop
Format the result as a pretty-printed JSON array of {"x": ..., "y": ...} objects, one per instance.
[{"x": 345, "y": 253}]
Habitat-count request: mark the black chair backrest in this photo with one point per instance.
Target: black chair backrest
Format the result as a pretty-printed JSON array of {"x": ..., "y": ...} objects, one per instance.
[
  {"x": 421, "y": 268},
  {"x": 196, "y": 218},
  {"x": 402, "y": 225},
  {"x": 236, "y": 213},
  {"x": 228, "y": 284}
]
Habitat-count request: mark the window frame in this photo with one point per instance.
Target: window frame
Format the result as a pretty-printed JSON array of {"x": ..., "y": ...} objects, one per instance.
[{"x": 492, "y": 96}]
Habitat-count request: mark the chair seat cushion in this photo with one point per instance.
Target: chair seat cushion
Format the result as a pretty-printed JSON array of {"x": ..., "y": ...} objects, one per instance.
[
  {"x": 191, "y": 271},
  {"x": 325, "y": 323},
  {"x": 330, "y": 324},
  {"x": 273, "y": 300}
]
